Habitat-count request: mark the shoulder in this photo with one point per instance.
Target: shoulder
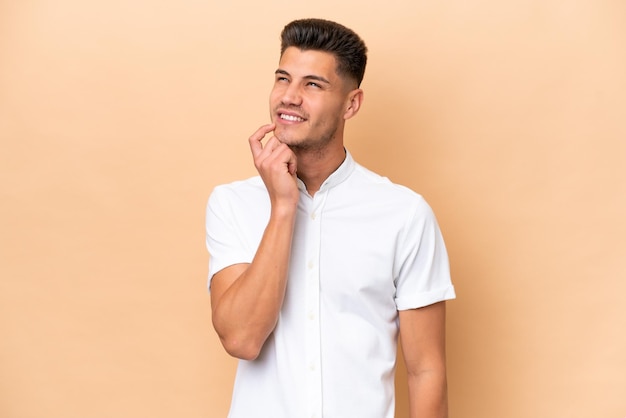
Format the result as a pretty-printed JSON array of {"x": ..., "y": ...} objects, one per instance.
[
  {"x": 381, "y": 187},
  {"x": 246, "y": 192},
  {"x": 252, "y": 185}
]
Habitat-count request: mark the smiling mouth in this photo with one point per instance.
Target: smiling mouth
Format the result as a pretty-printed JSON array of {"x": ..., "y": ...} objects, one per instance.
[{"x": 291, "y": 118}]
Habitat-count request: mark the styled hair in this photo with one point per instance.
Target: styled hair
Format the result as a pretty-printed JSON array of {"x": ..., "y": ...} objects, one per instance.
[{"x": 347, "y": 47}]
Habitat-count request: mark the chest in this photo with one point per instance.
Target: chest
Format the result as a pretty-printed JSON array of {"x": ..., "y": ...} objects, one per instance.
[{"x": 347, "y": 251}]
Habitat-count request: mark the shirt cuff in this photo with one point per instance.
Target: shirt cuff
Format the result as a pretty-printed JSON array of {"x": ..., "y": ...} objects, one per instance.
[{"x": 425, "y": 298}]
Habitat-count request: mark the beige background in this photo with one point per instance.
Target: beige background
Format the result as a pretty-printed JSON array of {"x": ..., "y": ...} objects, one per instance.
[{"x": 117, "y": 118}]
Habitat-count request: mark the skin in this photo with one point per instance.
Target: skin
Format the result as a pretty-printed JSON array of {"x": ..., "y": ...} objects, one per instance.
[
  {"x": 422, "y": 338},
  {"x": 309, "y": 105}
]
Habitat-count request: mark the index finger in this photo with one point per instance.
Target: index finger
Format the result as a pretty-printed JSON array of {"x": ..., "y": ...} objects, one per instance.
[{"x": 257, "y": 137}]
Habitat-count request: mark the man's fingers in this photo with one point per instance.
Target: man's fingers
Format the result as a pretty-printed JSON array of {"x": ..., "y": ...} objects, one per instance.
[
  {"x": 272, "y": 156},
  {"x": 292, "y": 162},
  {"x": 255, "y": 140},
  {"x": 292, "y": 166}
]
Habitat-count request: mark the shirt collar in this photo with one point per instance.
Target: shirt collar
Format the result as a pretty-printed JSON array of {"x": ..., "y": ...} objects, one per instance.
[{"x": 338, "y": 176}]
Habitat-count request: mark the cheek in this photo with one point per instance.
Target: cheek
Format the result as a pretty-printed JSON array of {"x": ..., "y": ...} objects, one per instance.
[
  {"x": 275, "y": 95},
  {"x": 330, "y": 113}
]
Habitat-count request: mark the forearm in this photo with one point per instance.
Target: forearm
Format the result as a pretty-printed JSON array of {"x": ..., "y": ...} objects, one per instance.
[
  {"x": 428, "y": 394},
  {"x": 247, "y": 311}
]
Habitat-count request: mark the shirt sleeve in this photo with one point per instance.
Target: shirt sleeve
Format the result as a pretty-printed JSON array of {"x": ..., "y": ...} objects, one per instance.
[
  {"x": 225, "y": 240},
  {"x": 423, "y": 268}
]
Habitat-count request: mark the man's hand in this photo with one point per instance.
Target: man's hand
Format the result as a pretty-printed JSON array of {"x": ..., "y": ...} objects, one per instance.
[{"x": 277, "y": 165}]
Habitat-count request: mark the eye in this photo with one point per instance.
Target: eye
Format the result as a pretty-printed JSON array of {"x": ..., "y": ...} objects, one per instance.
[{"x": 314, "y": 84}]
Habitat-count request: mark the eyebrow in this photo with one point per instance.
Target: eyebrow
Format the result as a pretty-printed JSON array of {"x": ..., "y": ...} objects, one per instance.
[{"x": 306, "y": 77}]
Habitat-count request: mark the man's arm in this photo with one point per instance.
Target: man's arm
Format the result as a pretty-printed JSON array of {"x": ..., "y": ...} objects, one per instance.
[
  {"x": 246, "y": 298},
  {"x": 422, "y": 335}
]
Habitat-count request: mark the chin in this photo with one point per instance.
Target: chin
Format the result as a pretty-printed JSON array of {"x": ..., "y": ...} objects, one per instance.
[{"x": 284, "y": 136}]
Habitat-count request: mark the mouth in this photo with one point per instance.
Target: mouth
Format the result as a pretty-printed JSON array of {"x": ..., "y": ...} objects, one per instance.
[{"x": 290, "y": 117}]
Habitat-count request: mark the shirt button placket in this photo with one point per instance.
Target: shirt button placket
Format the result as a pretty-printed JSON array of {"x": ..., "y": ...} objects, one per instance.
[{"x": 312, "y": 324}]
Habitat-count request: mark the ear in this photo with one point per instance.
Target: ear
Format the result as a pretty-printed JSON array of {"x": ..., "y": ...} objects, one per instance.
[{"x": 353, "y": 103}]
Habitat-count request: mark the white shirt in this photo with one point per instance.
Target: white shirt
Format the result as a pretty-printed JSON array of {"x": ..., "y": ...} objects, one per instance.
[{"x": 363, "y": 248}]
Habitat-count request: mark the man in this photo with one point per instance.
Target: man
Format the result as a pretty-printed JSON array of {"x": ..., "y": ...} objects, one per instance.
[{"x": 317, "y": 263}]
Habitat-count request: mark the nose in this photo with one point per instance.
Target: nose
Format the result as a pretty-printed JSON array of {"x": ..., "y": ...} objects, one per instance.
[{"x": 292, "y": 96}]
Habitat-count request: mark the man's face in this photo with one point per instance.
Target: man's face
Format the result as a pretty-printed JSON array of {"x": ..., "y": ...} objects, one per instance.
[{"x": 308, "y": 100}]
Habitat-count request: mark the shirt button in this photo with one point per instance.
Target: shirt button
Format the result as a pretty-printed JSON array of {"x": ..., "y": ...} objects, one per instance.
[
  {"x": 313, "y": 216},
  {"x": 310, "y": 265},
  {"x": 311, "y": 316},
  {"x": 312, "y": 367}
]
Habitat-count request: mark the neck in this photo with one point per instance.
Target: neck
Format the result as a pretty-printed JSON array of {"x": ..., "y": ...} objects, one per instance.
[{"x": 314, "y": 167}]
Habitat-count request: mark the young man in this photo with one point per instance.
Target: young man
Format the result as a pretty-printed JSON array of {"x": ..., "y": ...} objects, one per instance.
[{"x": 317, "y": 263}]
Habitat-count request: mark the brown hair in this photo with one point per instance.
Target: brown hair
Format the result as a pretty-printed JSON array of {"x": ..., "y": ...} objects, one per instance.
[{"x": 327, "y": 36}]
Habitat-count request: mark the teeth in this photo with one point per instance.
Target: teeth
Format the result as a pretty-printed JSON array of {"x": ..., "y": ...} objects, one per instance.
[{"x": 291, "y": 118}]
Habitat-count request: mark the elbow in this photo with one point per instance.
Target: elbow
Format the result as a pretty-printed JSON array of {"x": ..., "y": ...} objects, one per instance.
[
  {"x": 242, "y": 348},
  {"x": 241, "y": 341}
]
